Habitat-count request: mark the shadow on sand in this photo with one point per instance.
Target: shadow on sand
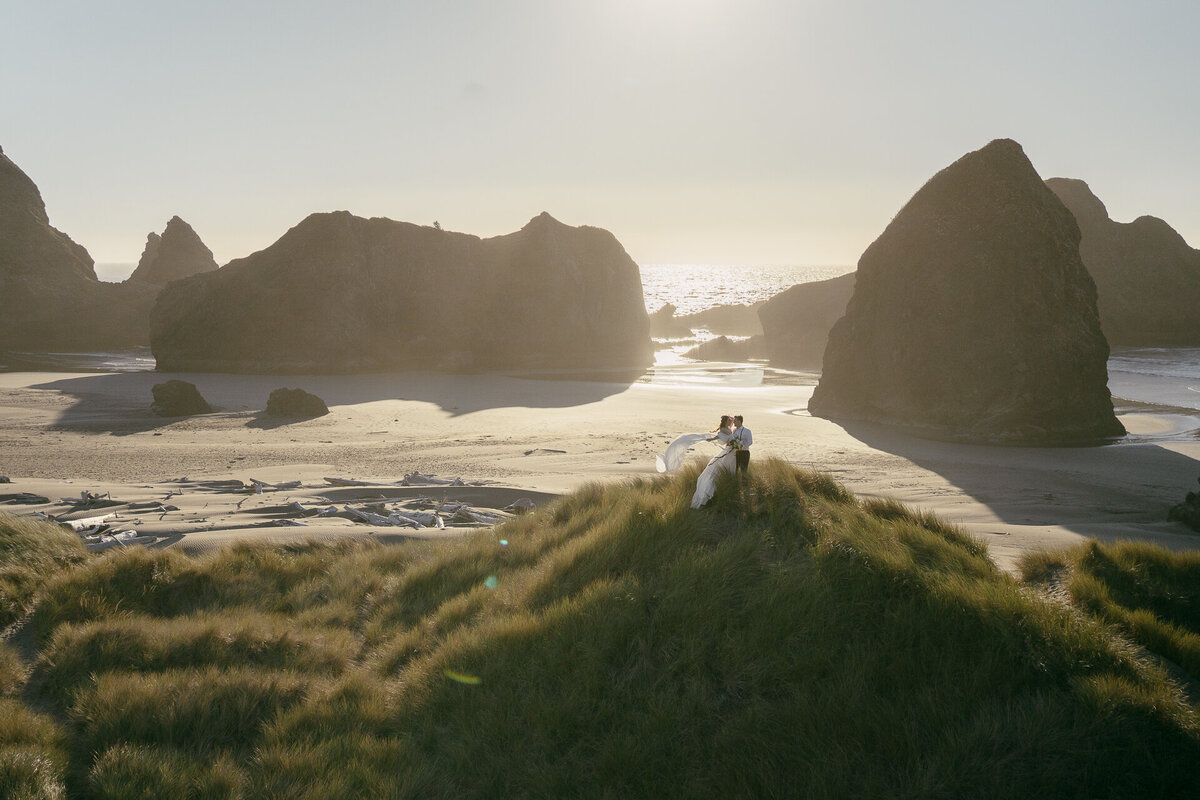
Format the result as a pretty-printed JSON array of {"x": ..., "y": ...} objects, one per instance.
[
  {"x": 1136, "y": 481},
  {"x": 119, "y": 403}
]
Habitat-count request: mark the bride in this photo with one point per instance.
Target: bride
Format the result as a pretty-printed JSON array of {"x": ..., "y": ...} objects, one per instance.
[{"x": 725, "y": 461}]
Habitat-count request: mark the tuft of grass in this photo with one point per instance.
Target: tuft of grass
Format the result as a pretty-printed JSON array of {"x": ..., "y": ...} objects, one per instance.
[
  {"x": 202, "y": 711},
  {"x": 32, "y": 758},
  {"x": 77, "y": 654},
  {"x": 30, "y": 551},
  {"x": 1149, "y": 592},
  {"x": 166, "y": 583},
  {"x": 135, "y": 772}
]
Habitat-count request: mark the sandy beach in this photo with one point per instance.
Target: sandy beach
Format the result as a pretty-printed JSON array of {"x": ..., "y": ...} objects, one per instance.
[{"x": 507, "y": 438}]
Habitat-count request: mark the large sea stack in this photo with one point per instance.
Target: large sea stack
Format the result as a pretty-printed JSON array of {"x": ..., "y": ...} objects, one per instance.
[
  {"x": 339, "y": 293},
  {"x": 796, "y": 322},
  {"x": 177, "y": 253},
  {"x": 973, "y": 316},
  {"x": 1147, "y": 277}
]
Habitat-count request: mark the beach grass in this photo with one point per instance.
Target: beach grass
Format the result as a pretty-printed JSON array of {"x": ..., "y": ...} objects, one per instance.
[
  {"x": 787, "y": 640},
  {"x": 30, "y": 551},
  {"x": 1149, "y": 593}
]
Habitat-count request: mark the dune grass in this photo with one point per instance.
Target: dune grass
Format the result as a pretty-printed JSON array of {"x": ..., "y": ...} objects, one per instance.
[
  {"x": 29, "y": 552},
  {"x": 1149, "y": 592},
  {"x": 787, "y": 640}
]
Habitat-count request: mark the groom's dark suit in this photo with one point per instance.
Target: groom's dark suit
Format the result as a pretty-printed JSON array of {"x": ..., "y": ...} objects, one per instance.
[{"x": 744, "y": 438}]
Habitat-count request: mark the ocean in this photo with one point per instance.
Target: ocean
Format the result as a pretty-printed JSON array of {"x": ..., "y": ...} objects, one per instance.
[{"x": 695, "y": 287}]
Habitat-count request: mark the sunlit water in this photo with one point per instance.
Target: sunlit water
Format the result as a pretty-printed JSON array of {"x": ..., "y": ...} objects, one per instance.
[{"x": 694, "y": 287}]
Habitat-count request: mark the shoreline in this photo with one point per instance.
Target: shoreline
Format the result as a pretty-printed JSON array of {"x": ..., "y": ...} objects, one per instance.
[{"x": 63, "y": 433}]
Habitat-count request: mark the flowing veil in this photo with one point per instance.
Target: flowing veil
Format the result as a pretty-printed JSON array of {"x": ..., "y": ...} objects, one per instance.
[{"x": 677, "y": 451}]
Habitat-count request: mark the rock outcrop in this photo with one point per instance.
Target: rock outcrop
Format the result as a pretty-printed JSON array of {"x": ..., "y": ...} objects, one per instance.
[
  {"x": 177, "y": 398},
  {"x": 177, "y": 253},
  {"x": 50, "y": 298},
  {"x": 1147, "y": 277},
  {"x": 796, "y": 322},
  {"x": 722, "y": 348},
  {"x": 339, "y": 293},
  {"x": 732, "y": 320},
  {"x": 973, "y": 317},
  {"x": 295, "y": 403}
]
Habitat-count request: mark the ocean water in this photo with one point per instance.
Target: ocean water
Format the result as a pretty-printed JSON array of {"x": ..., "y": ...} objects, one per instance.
[
  {"x": 695, "y": 287},
  {"x": 1161, "y": 376}
]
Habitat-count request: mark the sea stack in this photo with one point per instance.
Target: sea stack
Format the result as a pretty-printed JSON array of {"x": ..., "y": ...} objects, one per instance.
[
  {"x": 342, "y": 294},
  {"x": 177, "y": 253},
  {"x": 973, "y": 317},
  {"x": 1147, "y": 277},
  {"x": 796, "y": 322}
]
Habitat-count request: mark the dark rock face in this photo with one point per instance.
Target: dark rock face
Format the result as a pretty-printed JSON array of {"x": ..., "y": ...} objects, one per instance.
[
  {"x": 50, "y": 298},
  {"x": 796, "y": 322},
  {"x": 1147, "y": 277},
  {"x": 973, "y": 316},
  {"x": 340, "y": 293},
  {"x": 723, "y": 348},
  {"x": 178, "y": 399},
  {"x": 178, "y": 253},
  {"x": 295, "y": 403},
  {"x": 1187, "y": 512}
]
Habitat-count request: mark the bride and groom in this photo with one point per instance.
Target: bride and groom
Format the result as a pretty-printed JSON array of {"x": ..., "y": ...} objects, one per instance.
[{"x": 734, "y": 456}]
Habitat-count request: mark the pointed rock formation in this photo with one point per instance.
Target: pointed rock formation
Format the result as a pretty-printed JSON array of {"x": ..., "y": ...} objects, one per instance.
[
  {"x": 796, "y": 322},
  {"x": 339, "y": 293},
  {"x": 973, "y": 316},
  {"x": 178, "y": 253},
  {"x": 48, "y": 287},
  {"x": 1147, "y": 277}
]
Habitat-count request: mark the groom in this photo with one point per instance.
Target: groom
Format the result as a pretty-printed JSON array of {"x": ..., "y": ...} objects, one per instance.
[{"x": 742, "y": 435}]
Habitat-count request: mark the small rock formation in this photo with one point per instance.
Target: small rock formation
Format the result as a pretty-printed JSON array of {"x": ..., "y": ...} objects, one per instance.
[
  {"x": 177, "y": 253},
  {"x": 1147, "y": 277},
  {"x": 796, "y": 322},
  {"x": 973, "y": 317},
  {"x": 295, "y": 403},
  {"x": 178, "y": 399},
  {"x": 1187, "y": 512},
  {"x": 665, "y": 325},
  {"x": 723, "y": 348},
  {"x": 340, "y": 294},
  {"x": 731, "y": 320}
]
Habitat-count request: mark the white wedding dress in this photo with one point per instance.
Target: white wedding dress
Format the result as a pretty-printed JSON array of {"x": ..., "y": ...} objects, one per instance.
[{"x": 725, "y": 461}]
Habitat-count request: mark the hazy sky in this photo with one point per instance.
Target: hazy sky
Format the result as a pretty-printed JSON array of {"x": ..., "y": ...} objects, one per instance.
[{"x": 697, "y": 131}]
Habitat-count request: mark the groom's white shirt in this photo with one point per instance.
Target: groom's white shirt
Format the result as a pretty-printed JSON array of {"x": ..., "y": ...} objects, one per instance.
[{"x": 744, "y": 437}]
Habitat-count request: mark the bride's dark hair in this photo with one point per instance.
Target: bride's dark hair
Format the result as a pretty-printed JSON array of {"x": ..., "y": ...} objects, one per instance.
[{"x": 725, "y": 421}]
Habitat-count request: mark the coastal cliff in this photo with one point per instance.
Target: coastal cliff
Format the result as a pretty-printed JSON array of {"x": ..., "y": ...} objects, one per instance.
[
  {"x": 973, "y": 316},
  {"x": 343, "y": 294},
  {"x": 1147, "y": 277}
]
